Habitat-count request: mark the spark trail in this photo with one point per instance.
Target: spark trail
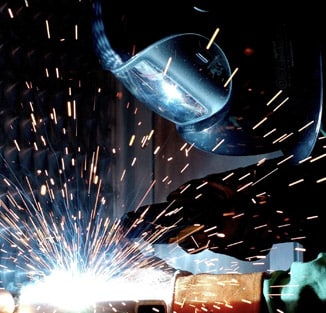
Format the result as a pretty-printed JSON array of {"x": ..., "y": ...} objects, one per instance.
[
  {"x": 64, "y": 238},
  {"x": 57, "y": 231}
]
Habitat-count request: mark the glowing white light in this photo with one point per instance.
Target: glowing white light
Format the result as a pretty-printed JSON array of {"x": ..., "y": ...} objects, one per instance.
[
  {"x": 7, "y": 302},
  {"x": 171, "y": 91},
  {"x": 73, "y": 291}
]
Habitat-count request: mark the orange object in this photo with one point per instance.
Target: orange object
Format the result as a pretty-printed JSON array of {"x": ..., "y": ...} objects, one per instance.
[{"x": 234, "y": 293}]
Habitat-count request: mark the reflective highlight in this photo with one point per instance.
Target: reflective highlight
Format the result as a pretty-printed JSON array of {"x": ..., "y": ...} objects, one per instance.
[{"x": 179, "y": 78}]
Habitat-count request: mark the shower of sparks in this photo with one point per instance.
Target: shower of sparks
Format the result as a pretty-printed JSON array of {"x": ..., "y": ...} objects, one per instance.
[
  {"x": 62, "y": 235},
  {"x": 75, "y": 246},
  {"x": 57, "y": 229}
]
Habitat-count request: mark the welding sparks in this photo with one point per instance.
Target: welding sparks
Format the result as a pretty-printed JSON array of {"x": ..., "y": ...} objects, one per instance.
[
  {"x": 58, "y": 233},
  {"x": 72, "y": 257},
  {"x": 57, "y": 226}
]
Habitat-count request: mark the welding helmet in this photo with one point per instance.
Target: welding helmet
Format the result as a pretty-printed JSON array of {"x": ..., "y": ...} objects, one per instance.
[
  {"x": 186, "y": 79},
  {"x": 179, "y": 78},
  {"x": 182, "y": 77}
]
